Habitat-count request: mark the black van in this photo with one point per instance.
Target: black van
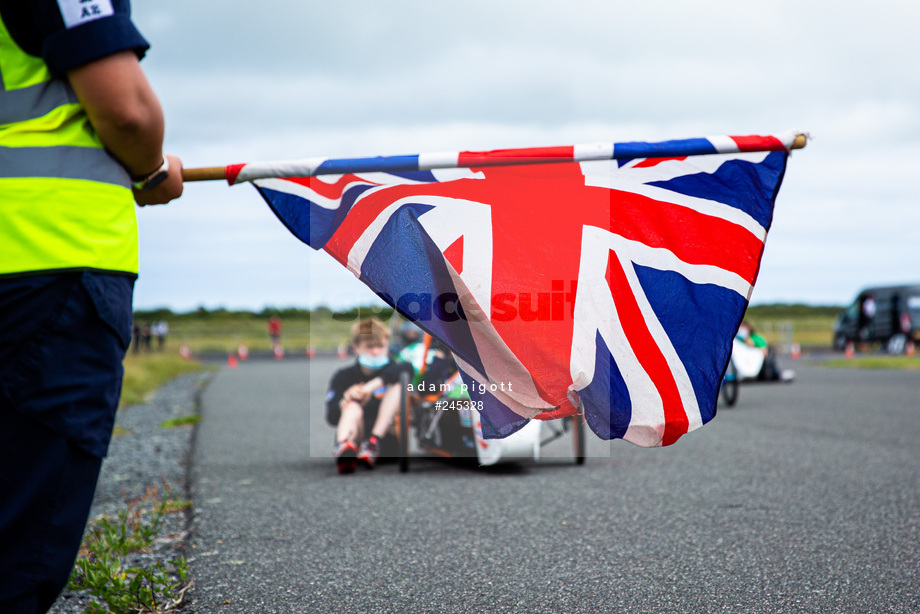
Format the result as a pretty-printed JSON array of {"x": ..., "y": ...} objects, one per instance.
[{"x": 889, "y": 315}]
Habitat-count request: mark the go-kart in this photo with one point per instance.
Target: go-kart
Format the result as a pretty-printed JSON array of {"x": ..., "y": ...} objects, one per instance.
[
  {"x": 438, "y": 413},
  {"x": 750, "y": 363}
]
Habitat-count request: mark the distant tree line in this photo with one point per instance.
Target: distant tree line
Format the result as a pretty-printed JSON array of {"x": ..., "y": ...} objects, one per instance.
[
  {"x": 285, "y": 313},
  {"x": 780, "y": 311}
]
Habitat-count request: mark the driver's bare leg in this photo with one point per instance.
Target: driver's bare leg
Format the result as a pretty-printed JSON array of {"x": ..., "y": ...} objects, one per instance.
[
  {"x": 351, "y": 423},
  {"x": 389, "y": 405}
]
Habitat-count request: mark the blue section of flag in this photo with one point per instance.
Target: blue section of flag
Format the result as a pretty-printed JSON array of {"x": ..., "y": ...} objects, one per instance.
[
  {"x": 497, "y": 420},
  {"x": 744, "y": 185},
  {"x": 606, "y": 401},
  {"x": 386, "y": 164},
  {"x": 707, "y": 312},
  {"x": 302, "y": 218},
  {"x": 420, "y": 176},
  {"x": 312, "y": 224},
  {"x": 408, "y": 271},
  {"x": 670, "y": 149}
]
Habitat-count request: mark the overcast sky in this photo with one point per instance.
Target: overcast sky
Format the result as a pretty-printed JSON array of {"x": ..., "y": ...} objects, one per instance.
[{"x": 242, "y": 81}]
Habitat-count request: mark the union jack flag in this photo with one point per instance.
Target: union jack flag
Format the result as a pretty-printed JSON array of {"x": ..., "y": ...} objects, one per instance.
[{"x": 611, "y": 287}]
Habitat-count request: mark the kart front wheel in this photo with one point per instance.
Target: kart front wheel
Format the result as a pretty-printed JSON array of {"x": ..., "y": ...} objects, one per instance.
[{"x": 730, "y": 385}]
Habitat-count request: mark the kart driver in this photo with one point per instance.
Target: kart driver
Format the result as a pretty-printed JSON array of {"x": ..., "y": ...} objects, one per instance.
[{"x": 364, "y": 397}]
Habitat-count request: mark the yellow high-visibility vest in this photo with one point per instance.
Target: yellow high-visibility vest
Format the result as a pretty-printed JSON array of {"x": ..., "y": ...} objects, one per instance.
[{"x": 65, "y": 203}]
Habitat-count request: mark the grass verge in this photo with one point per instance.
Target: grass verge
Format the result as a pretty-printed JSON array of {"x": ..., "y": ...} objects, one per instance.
[
  {"x": 110, "y": 570},
  {"x": 181, "y": 421},
  {"x": 144, "y": 373},
  {"x": 113, "y": 571},
  {"x": 901, "y": 363}
]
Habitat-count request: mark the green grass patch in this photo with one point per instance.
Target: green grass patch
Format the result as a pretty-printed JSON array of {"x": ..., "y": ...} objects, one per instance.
[
  {"x": 106, "y": 568},
  {"x": 901, "y": 363},
  {"x": 181, "y": 421},
  {"x": 806, "y": 325},
  {"x": 221, "y": 330},
  {"x": 227, "y": 334},
  {"x": 786, "y": 311},
  {"x": 145, "y": 373},
  {"x": 118, "y": 431}
]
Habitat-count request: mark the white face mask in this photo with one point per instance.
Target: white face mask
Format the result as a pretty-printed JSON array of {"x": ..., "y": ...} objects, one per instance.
[{"x": 369, "y": 361}]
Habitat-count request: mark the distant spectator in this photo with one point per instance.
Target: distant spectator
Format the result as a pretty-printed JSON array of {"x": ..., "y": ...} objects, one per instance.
[
  {"x": 274, "y": 330},
  {"x": 866, "y": 313},
  {"x": 136, "y": 336},
  {"x": 146, "y": 335},
  {"x": 160, "y": 330}
]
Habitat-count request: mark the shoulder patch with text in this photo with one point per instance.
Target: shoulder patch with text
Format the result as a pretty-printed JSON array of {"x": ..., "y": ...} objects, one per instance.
[{"x": 78, "y": 12}]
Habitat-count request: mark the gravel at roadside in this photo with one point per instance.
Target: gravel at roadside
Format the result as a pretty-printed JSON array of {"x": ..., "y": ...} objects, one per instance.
[{"x": 142, "y": 454}]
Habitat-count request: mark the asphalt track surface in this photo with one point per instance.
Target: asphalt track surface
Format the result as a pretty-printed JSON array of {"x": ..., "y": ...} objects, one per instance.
[{"x": 803, "y": 498}]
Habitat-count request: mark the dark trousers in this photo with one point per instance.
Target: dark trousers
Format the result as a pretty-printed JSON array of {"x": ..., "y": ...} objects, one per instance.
[
  {"x": 46, "y": 490},
  {"x": 62, "y": 340}
]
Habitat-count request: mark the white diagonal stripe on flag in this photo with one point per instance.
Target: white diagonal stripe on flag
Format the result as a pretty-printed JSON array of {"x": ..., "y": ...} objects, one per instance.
[{"x": 705, "y": 206}]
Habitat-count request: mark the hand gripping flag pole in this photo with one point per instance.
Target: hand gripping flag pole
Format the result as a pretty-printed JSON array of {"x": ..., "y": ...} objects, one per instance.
[{"x": 310, "y": 167}]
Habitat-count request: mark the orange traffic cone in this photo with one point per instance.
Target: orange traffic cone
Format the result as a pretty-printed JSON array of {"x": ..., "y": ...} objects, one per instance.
[
  {"x": 185, "y": 352},
  {"x": 909, "y": 348},
  {"x": 231, "y": 361},
  {"x": 850, "y": 350},
  {"x": 311, "y": 352},
  {"x": 795, "y": 352},
  {"x": 242, "y": 352},
  {"x": 343, "y": 352},
  {"x": 278, "y": 351}
]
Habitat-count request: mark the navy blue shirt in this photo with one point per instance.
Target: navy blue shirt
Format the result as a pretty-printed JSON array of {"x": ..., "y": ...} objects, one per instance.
[{"x": 70, "y": 33}]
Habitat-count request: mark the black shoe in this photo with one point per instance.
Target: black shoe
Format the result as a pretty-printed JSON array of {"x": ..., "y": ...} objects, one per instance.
[
  {"x": 346, "y": 456},
  {"x": 369, "y": 451}
]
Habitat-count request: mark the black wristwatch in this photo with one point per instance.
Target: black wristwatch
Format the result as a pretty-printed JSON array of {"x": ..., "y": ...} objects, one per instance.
[{"x": 153, "y": 179}]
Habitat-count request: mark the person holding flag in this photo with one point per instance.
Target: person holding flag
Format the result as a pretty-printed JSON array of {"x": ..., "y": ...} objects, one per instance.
[{"x": 81, "y": 139}]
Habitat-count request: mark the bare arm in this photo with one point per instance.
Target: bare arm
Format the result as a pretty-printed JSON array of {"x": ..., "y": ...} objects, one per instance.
[
  {"x": 126, "y": 114},
  {"x": 371, "y": 385},
  {"x": 362, "y": 392}
]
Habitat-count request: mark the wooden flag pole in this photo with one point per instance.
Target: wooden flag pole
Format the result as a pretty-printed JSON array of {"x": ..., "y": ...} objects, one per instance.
[
  {"x": 213, "y": 173},
  {"x": 210, "y": 173}
]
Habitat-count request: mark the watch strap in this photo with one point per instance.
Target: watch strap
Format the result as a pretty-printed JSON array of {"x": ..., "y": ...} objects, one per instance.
[{"x": 153, "y": 179}]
